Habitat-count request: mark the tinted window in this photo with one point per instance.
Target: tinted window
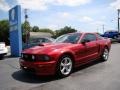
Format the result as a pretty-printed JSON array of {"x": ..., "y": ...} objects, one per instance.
[
  {"x": 99, "y": 37},
  {"x": 106, "y": 32},
  {"x": 46, "y": 40},
  {"x": 68, "y": 38},
  {"x": 90, "y": 37},
  {"x": 38, "y": 40}
]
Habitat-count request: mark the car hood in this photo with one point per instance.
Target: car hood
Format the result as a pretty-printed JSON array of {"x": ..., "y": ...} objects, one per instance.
[{"x": 46, "y": 48}]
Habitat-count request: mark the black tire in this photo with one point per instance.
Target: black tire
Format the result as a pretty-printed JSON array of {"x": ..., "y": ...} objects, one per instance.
[
  {"x": 115, "y": 37},
  {"x": 105, "y": 54},
  {"x": 118, "y": 41},
  {"x": 59, "y": 70},
  {"x": 1, "y": 56}
]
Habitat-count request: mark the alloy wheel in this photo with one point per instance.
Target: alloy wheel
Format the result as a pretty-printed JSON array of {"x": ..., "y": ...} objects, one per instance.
[
  {"x": 66, "y": 66},
  {"x": 105, "y": 54}
]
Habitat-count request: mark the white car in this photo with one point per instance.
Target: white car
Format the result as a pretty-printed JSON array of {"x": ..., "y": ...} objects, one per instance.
[{"x": 3, "y": 49}]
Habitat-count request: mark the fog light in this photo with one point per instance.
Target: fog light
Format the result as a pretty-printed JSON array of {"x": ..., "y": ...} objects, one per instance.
[{"x": 33, "y": 57}]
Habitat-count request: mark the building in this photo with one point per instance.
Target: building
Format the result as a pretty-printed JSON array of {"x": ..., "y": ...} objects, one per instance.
[{"x": 39, "y": 34}]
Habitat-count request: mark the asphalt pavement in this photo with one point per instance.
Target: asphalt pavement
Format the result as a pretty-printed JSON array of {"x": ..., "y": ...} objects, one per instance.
[{"x": 93, "y": 76}]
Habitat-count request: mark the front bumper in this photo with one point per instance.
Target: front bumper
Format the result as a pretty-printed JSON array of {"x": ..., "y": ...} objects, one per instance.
[
  {"x": 39, "y": 68},
  {"x": 3, "y": 51}
]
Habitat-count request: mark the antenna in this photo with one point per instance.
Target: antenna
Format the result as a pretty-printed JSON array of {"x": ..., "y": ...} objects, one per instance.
[
  {"x": 103, "y": 26},
  {"x": 118, "y": 20}
]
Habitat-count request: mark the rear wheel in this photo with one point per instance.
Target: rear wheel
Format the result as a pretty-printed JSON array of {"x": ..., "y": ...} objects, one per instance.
[
  {"x": 65, "y": 66},
  {"x": 105, "y": 55},
  {"x": 115, "y": 37}
]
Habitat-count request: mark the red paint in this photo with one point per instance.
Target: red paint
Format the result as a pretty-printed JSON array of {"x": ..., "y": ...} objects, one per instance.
[{"x": 82, "y": 53}]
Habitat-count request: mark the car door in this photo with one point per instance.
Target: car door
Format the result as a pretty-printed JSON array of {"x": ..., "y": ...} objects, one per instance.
[
  {"x": 80, "y": 53},
  {"x": 92, "y": 47}
]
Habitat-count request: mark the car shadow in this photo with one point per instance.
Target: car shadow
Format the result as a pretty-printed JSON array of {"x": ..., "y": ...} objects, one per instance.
[
  {"x": 6, "y": 57},
  {"x": 85, "y": 66},
  {"x": 30, "y": 78}
]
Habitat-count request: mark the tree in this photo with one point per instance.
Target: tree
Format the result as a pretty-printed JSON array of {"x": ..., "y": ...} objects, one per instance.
[
  {"x": 35, "y": 29},
  {"x": 47, "y": 30},
  {"x": 64, "y": 30},
  {"x": 4, "y": 31},
  {"x": 26, "y": 28}
]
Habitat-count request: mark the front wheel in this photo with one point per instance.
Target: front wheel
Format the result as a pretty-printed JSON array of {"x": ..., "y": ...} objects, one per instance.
[
  {"x": 105, "y": 55},
  {"x": 65, "y": 66}
]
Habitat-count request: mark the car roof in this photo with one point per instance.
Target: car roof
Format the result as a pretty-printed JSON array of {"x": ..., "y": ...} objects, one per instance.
[
  {"x": 112, "y": 31},
  {"x": 83, "y": 33}
]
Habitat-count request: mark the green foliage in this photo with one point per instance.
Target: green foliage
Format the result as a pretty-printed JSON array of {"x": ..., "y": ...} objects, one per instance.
[
  {"x": 64, "y": 30},
  {"x": 46, "y": 30},
  {"x": 4, "y": 31},
  {"x": 26, "y": 28},
  {"x": 35, "y": 29}
]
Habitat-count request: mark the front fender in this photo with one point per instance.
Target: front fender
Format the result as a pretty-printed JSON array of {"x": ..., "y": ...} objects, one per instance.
[{"x": 56, "y": 54}]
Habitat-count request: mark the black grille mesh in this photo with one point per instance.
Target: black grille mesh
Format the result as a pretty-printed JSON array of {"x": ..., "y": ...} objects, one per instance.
[{"x": 27, "y": 57}]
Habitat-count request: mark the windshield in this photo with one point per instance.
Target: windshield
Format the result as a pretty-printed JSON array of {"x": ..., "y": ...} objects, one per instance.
[{"x": 68, "y": 38}]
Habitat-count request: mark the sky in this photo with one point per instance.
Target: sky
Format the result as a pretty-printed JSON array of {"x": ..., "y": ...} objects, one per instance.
[{"x": 83, "y": 15}]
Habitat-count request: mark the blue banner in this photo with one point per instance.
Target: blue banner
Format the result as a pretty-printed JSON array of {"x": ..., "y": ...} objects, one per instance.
[{"x": 15, "y": 31}]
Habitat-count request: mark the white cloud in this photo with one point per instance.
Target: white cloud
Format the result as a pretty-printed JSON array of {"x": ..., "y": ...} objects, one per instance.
[
  {"x": 4, "y": 5},
  {"x": 115, "y": 4},
  {"x": 72, "y": 2},
  {"x": 61, "y": 18},
  {"x": 86, "y": 19},
  {"x": 103, "y": 17},
  {"x": 44, "y": 4},
  {"x": 53, "y": 26},
  {"x": 97, "y": 23},
  {"x": 89, "y": 20},
  {"x": 33, "y": 4},
  {"x": 64, "y": 15}
]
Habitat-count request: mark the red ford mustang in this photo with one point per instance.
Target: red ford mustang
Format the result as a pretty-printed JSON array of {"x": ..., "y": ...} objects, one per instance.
[{"x": 65, "y": 53}]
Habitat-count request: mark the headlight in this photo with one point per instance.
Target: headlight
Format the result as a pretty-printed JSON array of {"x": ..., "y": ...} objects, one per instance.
[{"x": 44, "y": 58}]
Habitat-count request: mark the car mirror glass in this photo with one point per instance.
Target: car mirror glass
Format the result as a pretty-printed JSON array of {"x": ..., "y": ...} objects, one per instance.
[{"x": 85, "y": 41}]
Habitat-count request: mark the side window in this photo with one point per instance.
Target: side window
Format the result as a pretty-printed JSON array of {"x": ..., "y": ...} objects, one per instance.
[
  {"x": 40, "y": 40},
  {"x": 99, "y": 37},
  {"x": 90, "y": 37},
  {"x": 46, "y": 40}
]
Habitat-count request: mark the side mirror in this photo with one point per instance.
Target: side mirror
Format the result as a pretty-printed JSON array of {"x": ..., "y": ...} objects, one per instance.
[{"x": 85, "y": 41}]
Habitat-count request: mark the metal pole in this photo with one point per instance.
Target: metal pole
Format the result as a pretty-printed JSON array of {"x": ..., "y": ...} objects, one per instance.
[
  {"x": 103, "y": 28},
  {"x": 26, "y": 31},
  {"x": 97, "y": 30},
  {"x": 118, "y": 20}
]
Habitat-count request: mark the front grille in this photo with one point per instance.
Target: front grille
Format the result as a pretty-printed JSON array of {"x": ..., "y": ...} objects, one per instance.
[
  {"x": 29, "y": 70},
  {"x": 27, "y": 57}
]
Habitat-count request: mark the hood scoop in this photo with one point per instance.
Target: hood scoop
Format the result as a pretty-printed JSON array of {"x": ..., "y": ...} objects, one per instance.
[{"x": 41, "y": 44}]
